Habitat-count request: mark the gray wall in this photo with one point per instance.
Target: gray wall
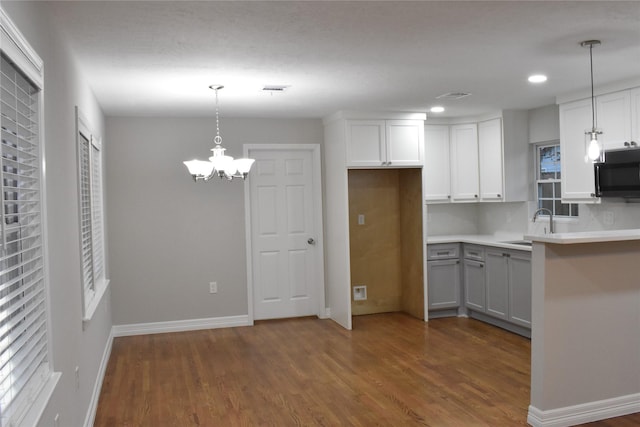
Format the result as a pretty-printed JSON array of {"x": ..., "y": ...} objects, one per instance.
[
  {"x": 169, "y": 237},
  {"x": 73, "y": 345}
]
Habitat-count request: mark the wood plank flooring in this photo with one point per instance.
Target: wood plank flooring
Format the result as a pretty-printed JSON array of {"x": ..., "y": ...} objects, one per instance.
[{"x": 391, "y": 370}]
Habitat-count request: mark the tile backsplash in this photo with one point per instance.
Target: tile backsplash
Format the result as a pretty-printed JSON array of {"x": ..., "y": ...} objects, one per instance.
[{"x": 515, "y": 218}]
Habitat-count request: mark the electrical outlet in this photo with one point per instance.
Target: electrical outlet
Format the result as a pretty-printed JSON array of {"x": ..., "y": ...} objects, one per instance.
[
  {"x": 359, "y": 292},
  {"x": 609, "y": 218},
  {"x": 361, "y": 219},
  {"x": 213, "y": 287}
]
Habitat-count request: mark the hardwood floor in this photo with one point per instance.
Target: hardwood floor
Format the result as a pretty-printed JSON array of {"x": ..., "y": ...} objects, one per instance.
[{"x": 391, "y": 370}]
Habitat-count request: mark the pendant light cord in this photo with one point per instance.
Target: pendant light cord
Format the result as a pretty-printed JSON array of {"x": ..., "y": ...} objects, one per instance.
[{"x": 593, "y": 99}]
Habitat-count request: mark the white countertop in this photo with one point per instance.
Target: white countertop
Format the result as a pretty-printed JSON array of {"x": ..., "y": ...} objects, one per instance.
[
  {"x": 500, "y": 240},
  {"x": 586, "y": 237}
]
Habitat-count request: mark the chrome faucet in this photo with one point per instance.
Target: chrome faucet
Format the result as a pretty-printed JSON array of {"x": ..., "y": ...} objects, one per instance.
[{"x": 535, "y": 215}]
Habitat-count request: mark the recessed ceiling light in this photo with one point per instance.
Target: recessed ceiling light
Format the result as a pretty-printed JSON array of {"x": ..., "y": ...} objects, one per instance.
[
  {"x": 537, "y": 78},
  {"x": 437, "y": 109}
]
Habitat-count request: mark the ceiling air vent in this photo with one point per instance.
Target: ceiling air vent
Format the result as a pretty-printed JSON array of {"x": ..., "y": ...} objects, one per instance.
[
  {"x": 275, "y": 88},
  {"x": 453, "y": 95}
]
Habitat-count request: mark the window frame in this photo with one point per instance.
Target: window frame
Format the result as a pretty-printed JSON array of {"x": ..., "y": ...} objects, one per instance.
[
  {"x": 93, "y": 286},
  {"x": 29, "y": 402},
  {"x": 573, "y": 207}
]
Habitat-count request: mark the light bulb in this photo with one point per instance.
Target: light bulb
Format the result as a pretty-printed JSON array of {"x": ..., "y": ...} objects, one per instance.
[{"x": 594, "y": 149}]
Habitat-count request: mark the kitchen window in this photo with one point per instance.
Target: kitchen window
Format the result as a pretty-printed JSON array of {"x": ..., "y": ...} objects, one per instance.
[
  {"x": 91, "y": 215},
  {"x": 548, "y": 185}
]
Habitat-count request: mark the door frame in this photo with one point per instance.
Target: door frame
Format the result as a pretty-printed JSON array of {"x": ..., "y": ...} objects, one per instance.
[{"x": 319, "y": 285}]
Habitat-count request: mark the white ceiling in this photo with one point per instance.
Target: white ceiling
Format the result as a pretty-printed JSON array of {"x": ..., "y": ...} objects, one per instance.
[{"x": 158, "y": 58}]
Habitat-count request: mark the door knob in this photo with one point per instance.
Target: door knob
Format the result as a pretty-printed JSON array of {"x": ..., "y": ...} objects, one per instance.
[{"x": 311, "y": 241}]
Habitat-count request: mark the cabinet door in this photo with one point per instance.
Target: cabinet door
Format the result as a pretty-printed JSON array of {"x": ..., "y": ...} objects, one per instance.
[
  {"x": 443, "y": 284},
  {"x": 474, "y": 292},
  {"x": 366, "y": 145},
  {"x": 635, "y": 116},
  {"x": 520, "y": 288},
  {"x": 464, "y": 163},
  {"x": 437, "y": 181},
  {"x": 490, "y": 160},
  {"x": 577, "y": 170},
  {"x": 614, "y": 119},
  {"x": 497, "y": 283},
  {"x": 405, "y": 142}
]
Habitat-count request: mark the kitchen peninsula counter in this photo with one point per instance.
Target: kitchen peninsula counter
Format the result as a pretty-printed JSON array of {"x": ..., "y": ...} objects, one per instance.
[{"x": 585, "y": 349}]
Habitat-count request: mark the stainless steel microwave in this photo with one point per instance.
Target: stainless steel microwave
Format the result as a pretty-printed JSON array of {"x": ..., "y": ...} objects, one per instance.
[{"x": 619, "y": 174}]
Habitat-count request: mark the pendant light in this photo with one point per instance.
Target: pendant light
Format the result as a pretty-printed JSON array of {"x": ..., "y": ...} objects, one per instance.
[
  {"x": 219, "y": 164},
  {"x": 594, "y": 151}
]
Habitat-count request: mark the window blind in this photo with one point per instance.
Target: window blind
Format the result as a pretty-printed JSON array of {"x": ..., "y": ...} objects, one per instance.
[
  {"x": 91, "y": 215},
  {"x": 23, "y": 319}
]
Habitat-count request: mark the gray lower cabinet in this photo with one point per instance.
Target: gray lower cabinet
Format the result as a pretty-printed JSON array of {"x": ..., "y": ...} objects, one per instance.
[
  {"x": 497, "y": 283},
  {"x": 474, "y": 288},
  {"x": 520, "y": 288},
  {"x": 443, "y": 276},
  {"x": 508, "y": 283},
  {"x": 444, "y": 283}
]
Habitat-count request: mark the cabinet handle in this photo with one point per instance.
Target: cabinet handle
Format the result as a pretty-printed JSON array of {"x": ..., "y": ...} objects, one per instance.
[
  {"x": 388, "y": 163},
  {"x": 499, "y": 195},
  {"x": 475, "y": 195},
  {"x": 443, "y": 253},
  {"x": 634, "y": 144},
  {"x": 626, "y": 144},
  {"x": 448, "y": 196},
  {"x": 593, "y": 194}
]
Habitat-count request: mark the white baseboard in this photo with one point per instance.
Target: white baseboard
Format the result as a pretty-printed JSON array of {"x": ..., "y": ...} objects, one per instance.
[
  {"x": 95, "y": 396},
  {"x": 585, "y": 413},
  {"x": 180, "y": 325}
]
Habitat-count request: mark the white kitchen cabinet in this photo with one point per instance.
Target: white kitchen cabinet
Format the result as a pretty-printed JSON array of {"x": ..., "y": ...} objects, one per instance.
[
  {"x": 385, "y": 143},
  {"x": 486, "y": 161},
  {"x": 490, "y": 160},
  {"x": 578, "y": 185},
  {"x": 437, "y": 164},
  {"x": 614, "y": 119},
  {"x": 635, "y": 115},
  {"x": 465, "y": 180}
]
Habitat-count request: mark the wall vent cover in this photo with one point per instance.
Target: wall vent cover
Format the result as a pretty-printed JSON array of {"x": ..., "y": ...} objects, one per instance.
[
  {"x": 453, "y": 95},
  {"x": 275, "y": 88}
]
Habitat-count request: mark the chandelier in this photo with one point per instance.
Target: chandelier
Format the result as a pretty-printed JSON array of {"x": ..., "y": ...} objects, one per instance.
[
  {"x": 594, "y": 151},
  {"x": 219, "y": 164}
]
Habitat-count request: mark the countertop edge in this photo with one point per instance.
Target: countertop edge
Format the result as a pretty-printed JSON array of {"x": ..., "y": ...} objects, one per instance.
[{"x": 586, "y": 237}]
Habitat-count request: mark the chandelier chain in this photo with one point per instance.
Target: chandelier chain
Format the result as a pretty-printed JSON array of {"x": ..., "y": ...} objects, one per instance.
[{"x": 218, "y": 138}]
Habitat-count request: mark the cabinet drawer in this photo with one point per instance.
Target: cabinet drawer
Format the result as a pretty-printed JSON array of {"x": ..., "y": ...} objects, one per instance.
[
  {"x": 474, "y": 252},
  {"x": 443, "y": 251}
]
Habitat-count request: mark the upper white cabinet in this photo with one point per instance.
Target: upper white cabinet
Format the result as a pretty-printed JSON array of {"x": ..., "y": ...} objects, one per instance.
[
  {"x": 490, "y": 160},
  {"x": 465, "y": 185},
  {"x": 486, "y": 161},
  {"x": 578, "y": 185},
  {"x": 614, "y": 119},
  {"x": 385, "y": 143},
  {"x": 635, "y": 115},
  {"x": 437, "y": 166}
]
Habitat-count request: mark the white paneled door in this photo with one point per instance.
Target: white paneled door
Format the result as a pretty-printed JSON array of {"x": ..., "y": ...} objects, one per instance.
[{"x": 286, "y": 264}]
